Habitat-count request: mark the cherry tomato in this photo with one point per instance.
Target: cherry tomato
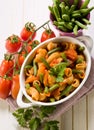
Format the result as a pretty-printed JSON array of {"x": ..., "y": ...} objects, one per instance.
[
  {"x": 47, "y": 34},
  {"x": 6, "y": 66},
  {"x": 27, "y": 31},
  {"x": 21, "y": 58},
  {"x": 15, "y": 86},
  {"x": 5, "y": 87},
  {"x": 13, "y": 44}
]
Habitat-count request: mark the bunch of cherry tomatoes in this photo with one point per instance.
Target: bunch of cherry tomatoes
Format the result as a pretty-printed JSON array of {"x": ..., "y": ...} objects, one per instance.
[{"x": 17, "y": 48}]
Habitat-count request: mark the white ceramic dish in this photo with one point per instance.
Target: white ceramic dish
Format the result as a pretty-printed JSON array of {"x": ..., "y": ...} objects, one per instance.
[{"x": 80, "y": 41}]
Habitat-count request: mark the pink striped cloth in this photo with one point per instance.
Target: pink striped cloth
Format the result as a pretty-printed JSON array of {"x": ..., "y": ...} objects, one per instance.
[{"x": 60, "y": 109}]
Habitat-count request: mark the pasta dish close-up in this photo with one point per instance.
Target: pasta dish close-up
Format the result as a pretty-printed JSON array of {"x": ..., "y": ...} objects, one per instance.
[{"x": 55, "y": 71}]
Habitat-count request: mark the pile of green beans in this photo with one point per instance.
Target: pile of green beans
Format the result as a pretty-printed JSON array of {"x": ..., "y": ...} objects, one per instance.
[{"x": 70, "y": 17}]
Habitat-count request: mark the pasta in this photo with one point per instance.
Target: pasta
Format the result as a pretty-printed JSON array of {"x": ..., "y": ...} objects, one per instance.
[{"x": 55, "y": 72}]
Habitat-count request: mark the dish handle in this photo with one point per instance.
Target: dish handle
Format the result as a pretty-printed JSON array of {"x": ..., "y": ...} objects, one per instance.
[
  {"x": 20, "y": 101},
  {"x": 87, "y": 40}
]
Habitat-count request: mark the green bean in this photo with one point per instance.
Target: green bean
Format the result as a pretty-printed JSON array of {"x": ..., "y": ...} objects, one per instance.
[
  {"x": 76, "y": 11},
  {"x": 81, "y": 48},
  {"x": 52, "y": 99},
  {"x": 56, "y": 12},
  {"x": 75, "y": 29},
  {"x": 37, "y": 86},
  {"x": 27, "y": 85},
  {"x": 62, "y": 28},
  {"x": 55, "y": 86},
  {"x": 76, "y": 2},
  {"x": 65, "y": 17},
  {"x": 45, "y": 62},
  {"x": 86, "y": 21},
  {"x": 72, "y": 8},
  {"x": 62, "y": 6},
  {"x": 85, "y": 4},
  {"x": 56, "y": 2},
  {"x": 76, "y": 71},
  {"x": 68, "y": 25},
  {"x": 54, "y": 50},
  {"x": 64, "y": 57},
  {"x": 66, "y": 90},
  {"x": 67, "y": 9},
  {"x": 51, "y": 10},
  {"x": 81, "y": 25},
  {"x": 73, "y": 20},
  {"x": 79, "y": 60},
  {"x": 41, "y": 78},
  {"x": 35, "y": 68},
  {"x": 67, "y": 2},
  {"x": 46, "y": 90},
  {"x": 76, "y": 15},
  {"x": 86, "y": 11},
  {"x": 28, "y": 66}
]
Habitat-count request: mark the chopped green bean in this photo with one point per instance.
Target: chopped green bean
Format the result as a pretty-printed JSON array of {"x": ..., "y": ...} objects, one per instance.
[
  {"x": 54, "y": 50},
  {"x": 81, "y": 48},
  {"x": 37, "y": 86},
  {"x": 63, "y": 28},
  {"x": 75, "y": 29},
  {"x": 66, "y": 90},
  {"x": 45, "y": 62},
  {"x": 76, "y": 2},
  {"x": 55, "y": 86},
  {"x": 76, "y": 15},
  {"x": 41, "y": 78},
  {"x": 81, "y": 25},
  {"x": 67, "y": 9},
  {"x": 51, "y": 10},
  {"x": 66, "y": 17},
  {"x": 86, "y": 11},
  {"x": 79, "y": 60},
  {"x": 72, "y": 8},
  {"x": 27, "y": 85},
  {"x": 46, "y": 90},
  {"x": 52, "y": 99},
  {"x": 64, "y": 57},
  {"x": 67, "y": 2},
  {"x": 86, "y": 21},
  {"x": 76, "y": 71},
  {"x": 85, "y": 4},
  {"x": 62, "y": 6},
  {"x": 56, "y": 12},
  {"x": 35, "y": 68}
]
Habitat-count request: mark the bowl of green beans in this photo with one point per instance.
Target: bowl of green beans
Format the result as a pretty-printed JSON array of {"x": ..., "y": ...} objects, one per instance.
[{"x": 70, "y": 17}]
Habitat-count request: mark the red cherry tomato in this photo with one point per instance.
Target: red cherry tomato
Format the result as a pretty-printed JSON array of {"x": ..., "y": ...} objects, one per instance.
[
  {"x": 47, "y": 34},
  {"x": 27, "y": 31},
  {"x": 21, "y": 58},
  {"x": 13, "y": 44},
  {"x": 15, "y": 86},
  {"x": 5, "y": 87},
  {"x": 6, "y": 66}
]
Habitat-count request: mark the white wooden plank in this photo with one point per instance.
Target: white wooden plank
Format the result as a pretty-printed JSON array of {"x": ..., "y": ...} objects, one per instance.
[
  {"x": 67, "y": 120},
  {"x": 80, "y": 115},
  {"x": 10, "y": 23},
  {"x": 90, "y": 101}
]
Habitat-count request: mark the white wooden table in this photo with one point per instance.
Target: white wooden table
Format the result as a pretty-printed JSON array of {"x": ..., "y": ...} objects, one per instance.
[{"x": 13, "y": 15}]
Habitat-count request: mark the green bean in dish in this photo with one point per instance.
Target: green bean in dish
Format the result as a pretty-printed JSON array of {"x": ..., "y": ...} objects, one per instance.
[
  {"x": 65, "y": 12},
  {"x": 55, "y": 71}
]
